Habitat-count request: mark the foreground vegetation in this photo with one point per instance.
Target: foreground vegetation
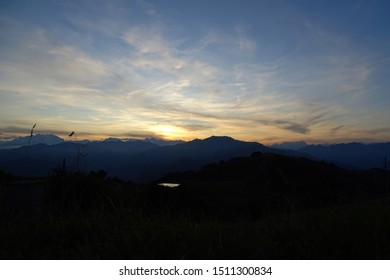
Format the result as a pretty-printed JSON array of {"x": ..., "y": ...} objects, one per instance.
[
  {"x": 349, "y": 232},
  {"x": 93, "y": 217}
]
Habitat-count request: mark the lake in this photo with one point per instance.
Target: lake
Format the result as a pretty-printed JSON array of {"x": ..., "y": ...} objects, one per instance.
[{"x": 169, "y": 185}]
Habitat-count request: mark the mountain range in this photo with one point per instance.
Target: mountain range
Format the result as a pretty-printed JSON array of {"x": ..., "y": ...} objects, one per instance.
[
  {"x": 48, "y": 139},
  {"x": 148, "y": 159},
  {"x": 131, "y": 160},
  {"x": 350, "y": 155},
  {"x": 52, "y": 139}
]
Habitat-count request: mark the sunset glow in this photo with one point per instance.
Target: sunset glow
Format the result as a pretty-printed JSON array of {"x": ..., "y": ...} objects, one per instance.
[
  {"x": 169, "y": 132},
  {"x": 267, "y": 71}
]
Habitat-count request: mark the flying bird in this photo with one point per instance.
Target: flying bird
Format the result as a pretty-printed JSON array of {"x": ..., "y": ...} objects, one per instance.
[{"x": 70, "y": 135}]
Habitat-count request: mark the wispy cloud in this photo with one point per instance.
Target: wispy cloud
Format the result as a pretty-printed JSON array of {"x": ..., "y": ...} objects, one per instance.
[
  {"x": 245, "y": 43},
  {"x": 147, "y": 40},
  {"x": 127, "y": 76}
]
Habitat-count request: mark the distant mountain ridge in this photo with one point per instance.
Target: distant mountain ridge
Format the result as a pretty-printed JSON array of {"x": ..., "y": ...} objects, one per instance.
[
  {"x": 358, "y": 155},
  {"x": 136, "y": 160},
  {"x": 142, "y": 160},
  {"x": 350, "y": 155},
  {"x": 162, "y": 142},
  {"x": 48, "y": 139},
  {"x": 52, "y": 139},
  {"x": 296, "y": 145}
]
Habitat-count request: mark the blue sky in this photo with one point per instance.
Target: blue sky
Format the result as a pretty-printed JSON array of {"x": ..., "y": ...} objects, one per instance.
[{"x": 267, "y": 71}]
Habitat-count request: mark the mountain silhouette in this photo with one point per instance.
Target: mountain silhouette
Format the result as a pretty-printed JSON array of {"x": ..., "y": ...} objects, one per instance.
[
  {"x": 130, "y": 160},
  {"x": 143, "y": 161},
  {"x": 353, "y": 155},
  {"x": 48, "y": 139},
  {"x": 192, "y": 155}
]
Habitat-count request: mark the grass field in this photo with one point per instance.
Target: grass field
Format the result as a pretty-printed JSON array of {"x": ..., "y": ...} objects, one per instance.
[{"x": 350, "y": 231}]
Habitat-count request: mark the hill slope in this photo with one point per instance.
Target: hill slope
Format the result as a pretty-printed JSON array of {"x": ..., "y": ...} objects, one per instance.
[{"x": 271, "y": 182}]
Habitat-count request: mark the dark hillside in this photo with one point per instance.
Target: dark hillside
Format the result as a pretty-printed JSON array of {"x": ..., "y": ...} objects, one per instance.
[
  {"x": 268, "y": 182},
  {"x": 265, "y": 206}
]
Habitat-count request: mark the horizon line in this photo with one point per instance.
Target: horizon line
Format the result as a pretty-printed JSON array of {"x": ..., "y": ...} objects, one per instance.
[{"x": 5, "y": 139}]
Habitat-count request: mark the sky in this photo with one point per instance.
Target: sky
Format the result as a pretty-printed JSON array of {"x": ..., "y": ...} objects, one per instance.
[{"x": 255, "y": 70}]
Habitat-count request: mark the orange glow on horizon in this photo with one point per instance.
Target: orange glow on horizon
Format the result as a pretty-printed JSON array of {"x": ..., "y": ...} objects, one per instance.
[{"x": 169, "y": 132}]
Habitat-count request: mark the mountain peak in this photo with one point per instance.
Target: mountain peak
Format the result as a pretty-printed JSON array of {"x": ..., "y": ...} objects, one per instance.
[{"x": 219, "y": 139}]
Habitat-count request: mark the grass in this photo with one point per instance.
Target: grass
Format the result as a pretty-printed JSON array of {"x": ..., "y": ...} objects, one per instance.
[
  {"x": 92, "y": 217},
  {"x": 355, "y": 231}
]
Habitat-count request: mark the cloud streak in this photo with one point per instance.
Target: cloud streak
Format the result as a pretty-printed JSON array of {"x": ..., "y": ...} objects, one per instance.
[{"x": 128, "y": 76}]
